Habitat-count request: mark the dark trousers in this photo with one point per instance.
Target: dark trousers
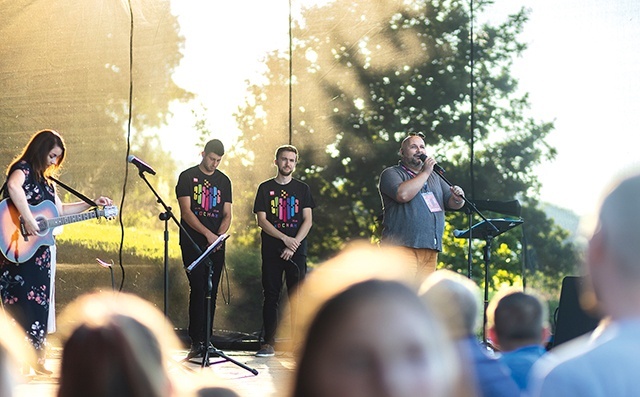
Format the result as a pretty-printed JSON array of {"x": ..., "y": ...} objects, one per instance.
[
  {"x": 198, "y": 287},
  {"x": 272, "y": 269}
]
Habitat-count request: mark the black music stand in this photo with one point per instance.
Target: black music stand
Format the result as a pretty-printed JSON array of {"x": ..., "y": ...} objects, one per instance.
[
  {"x": 487, "y": 230},
  {"x": 208, "y": 323}
]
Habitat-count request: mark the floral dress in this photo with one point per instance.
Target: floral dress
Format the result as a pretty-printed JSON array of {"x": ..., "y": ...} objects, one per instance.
[{"x": 24, "y": 287}]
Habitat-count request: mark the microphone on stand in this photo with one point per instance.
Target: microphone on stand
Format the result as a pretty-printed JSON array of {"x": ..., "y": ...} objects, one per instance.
[
  {"x": 142, "y": 166},
  {"x": 436, "y": 167}
]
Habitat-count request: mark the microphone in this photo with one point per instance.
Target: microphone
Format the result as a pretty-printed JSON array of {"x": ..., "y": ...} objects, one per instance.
[
  {"x": 142, "y": 166},
  {"x": 436, "y": 167}
]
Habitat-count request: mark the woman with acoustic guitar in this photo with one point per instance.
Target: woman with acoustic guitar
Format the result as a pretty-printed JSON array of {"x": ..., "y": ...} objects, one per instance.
[{"x": 25, "y": 283}]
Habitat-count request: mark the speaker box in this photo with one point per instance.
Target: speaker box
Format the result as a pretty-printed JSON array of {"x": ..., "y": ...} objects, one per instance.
[{"x": 572, "y": 321}]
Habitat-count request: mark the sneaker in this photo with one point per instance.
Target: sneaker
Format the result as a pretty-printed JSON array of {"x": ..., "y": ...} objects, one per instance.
[{"x": 266, "y": 350}]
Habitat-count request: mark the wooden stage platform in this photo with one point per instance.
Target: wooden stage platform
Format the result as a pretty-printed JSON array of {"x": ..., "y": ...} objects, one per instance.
[{"x": 271, "y": 380}]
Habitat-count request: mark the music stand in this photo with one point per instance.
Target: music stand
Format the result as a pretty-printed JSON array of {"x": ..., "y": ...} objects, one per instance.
[
  {"x": 487, "y": 230},
  {"x": 217, "y": 352}
]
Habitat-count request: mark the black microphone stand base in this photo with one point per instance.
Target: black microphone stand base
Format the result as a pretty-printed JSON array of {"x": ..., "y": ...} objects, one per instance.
[
  {"x": 210, "y": 351},
  {"x": 213, "y": 355}
]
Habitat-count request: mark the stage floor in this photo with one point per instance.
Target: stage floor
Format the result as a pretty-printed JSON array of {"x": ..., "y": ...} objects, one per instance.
[{"x": 271, "y": 380}]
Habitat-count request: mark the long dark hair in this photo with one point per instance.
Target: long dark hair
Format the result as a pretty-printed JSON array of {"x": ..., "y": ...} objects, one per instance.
[{"x": 36, "y": 152}]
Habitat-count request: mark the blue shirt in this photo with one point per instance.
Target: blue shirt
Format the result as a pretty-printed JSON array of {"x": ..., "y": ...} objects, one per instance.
[
  {"x": 492, "y": 378},
  {"x": 520, "y": 361}
]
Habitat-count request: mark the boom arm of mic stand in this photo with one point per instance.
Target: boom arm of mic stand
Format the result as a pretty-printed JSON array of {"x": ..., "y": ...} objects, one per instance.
[
  {"x": 165, "y": 217},
  {"x": 169, "y": 212},
  {"x": 469, "y": 203}
]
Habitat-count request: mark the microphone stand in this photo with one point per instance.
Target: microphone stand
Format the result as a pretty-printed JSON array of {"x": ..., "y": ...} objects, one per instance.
[
  {"x": 440, "y": 172},
  {"x": 165, "y": 216},
  {"x": 488, "y": 231}
]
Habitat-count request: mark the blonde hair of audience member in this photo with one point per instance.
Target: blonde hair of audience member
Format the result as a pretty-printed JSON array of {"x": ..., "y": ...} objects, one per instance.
[
  {"x": 456, "y": 301},
  {"x": 13, "y": 351},
  {"x": 367, "y": 333},
  {"x": 115, "y": 345},
  {"x": 516, "y": 319}
]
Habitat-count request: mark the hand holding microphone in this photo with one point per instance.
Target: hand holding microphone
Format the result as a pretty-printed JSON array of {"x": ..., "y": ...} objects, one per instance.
[{"x": 436, "y": 167}]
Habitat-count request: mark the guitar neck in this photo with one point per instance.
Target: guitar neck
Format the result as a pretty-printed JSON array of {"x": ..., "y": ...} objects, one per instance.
[{"x": 66, "y": 219}]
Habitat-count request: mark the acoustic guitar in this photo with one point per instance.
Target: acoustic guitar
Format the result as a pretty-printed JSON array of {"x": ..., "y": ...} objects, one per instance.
[{"x": 18, "y": 246}]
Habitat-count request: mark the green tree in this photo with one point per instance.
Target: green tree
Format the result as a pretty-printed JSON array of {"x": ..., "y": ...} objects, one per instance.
[
  {"x": 367, "y": 73},
  {"x": 65, "y": 65}
]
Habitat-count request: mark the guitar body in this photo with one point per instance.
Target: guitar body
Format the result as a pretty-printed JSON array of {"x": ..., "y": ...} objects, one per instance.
[{"x": 12, "y": 242}]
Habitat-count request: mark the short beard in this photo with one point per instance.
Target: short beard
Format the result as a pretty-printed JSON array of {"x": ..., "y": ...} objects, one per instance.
[
  {"x": 283, "y": 173},
  {"x": 413, "y": 162}
]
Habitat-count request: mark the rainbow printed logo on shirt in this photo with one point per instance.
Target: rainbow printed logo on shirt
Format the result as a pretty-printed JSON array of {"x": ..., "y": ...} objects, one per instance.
[
  {"x": 207, "y": 196},
  {"x": 285, "y": 207}
]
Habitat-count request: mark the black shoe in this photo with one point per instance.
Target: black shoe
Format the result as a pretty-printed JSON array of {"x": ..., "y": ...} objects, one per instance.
[{"x": 196, "y": 351}]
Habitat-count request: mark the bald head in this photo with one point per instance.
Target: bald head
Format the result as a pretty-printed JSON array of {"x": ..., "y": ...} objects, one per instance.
[
  {"x": 410, "y": 150},
  {"x": 411, "y": 140},
  {"x": 619, "y": 221}
]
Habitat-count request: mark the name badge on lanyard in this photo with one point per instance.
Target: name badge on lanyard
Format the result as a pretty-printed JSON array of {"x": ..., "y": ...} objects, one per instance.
[{"x": 431, "y": 201}]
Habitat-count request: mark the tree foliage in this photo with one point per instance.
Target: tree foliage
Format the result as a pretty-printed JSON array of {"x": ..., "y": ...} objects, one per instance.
[
  {"x": 364, "y": 74},
  {"x": 65, "y": 65}
]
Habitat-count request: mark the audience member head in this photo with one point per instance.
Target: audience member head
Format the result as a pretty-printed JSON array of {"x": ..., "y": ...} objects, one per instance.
[
  {"x": 516, "y": 319},
  {"x": 212, "y": 391},
  {"x": 374, "y": 336},
  {"x": 613, "y": 259},
  {"x": 455, "y": 300},
  {"x": 115, "y": 345},
  {"x": 370, "y": 336}
]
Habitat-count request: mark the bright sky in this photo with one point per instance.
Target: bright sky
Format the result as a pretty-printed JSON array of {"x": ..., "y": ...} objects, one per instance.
[{"x": 580, "y": 70}]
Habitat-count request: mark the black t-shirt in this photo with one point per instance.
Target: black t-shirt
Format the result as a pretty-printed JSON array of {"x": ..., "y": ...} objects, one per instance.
[
  {"x": 208, "y": 194},
  {"x": 283, "y": 205}
]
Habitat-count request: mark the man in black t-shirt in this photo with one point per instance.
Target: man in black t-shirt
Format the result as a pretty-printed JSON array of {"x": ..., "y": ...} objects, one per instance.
[
  {"x": 204, "y": 196},
  {"x": 283, "y": 208}
]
